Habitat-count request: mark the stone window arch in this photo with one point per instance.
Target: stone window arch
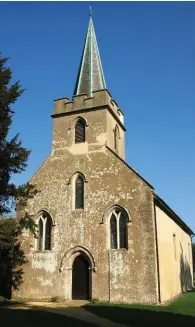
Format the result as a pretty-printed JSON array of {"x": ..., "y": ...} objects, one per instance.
[
  {"x": 118, "y": 229},
  {"x": 44, "y": 229},
  {"x": 80, "y": 132},
  {"x": 116, "y": 138}
]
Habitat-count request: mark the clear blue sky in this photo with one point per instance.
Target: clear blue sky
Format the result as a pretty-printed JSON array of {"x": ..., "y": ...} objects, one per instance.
[{"x": 148, "y": 55}]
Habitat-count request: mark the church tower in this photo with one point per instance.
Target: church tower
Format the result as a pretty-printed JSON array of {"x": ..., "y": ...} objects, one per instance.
[{"x": 93, "y": 119}]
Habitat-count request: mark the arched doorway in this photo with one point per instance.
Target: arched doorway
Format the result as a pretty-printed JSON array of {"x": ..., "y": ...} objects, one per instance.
[{"x": 80, "y": 278}]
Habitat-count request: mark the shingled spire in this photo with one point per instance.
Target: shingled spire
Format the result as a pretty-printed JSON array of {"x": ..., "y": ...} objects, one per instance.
[{"x": 90, "y": 75}]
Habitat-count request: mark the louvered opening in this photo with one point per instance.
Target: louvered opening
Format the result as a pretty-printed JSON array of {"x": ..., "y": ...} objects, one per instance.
[{"x": 80, "y": 131}]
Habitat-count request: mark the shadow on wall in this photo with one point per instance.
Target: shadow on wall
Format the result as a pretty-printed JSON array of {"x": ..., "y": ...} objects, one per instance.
[
  {"x": 12, "y": 259},
  {"x": 185, "y": 273}
]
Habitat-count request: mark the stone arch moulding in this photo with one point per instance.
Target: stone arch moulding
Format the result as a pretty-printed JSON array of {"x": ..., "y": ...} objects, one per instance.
[
  {"x": 75, "y": 175},
  {"x": 71, "y": 254},
  {"x": 73, "y": 123},
  {"x": 118, "y": 130},
  {"x": 115, "y": 207},
  {"x": 47, "y": 212}
]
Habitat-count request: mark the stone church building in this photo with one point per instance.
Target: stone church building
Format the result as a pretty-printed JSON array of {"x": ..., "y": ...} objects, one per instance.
[{"x": 103, "y": 232}]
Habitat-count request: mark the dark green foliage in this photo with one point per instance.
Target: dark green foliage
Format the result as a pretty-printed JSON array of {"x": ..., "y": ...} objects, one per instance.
[
  {"x": 12, "y": 257},
  {"x": 13, "y": 157},
  {"x": 13, "y": 160},
  {"x": 8, "y": 254}
]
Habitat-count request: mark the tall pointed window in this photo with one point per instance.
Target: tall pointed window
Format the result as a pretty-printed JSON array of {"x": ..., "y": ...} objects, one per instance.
[
  {"x": 113, "y": 232},
  {"x": 79, "y": 192},
  {"x": 40, "y": 234},
  {"x": 118, "y": 230},
  {"x": 80, "y": 131},
  {"x": 48, "y": 234},
  {"x": 116, "y": 138},
  {"x": 44, "y": 232},
  {"x": 123, "y": 231}
]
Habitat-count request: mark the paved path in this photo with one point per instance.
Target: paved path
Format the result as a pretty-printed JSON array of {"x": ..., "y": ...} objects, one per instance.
[{"x": 71, "y": 309}]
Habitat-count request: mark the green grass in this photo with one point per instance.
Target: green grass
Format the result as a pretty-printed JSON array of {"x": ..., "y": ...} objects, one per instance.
[{"x": 180, "y": 313}]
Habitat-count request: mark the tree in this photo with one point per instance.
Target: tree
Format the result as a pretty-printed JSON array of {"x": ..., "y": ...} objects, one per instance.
[{"x": 13, "y": 160}]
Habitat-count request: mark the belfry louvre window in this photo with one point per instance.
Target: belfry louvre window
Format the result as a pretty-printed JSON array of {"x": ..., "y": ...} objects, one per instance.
[
  {"x": 80, "y": 131},
  {"x": 44, "y": 232},
  {"x": 79, "y": 193},
  {"x": 118, "y": 230}
]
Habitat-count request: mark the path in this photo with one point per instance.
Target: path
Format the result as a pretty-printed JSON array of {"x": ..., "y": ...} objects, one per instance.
[{"x": 72, "y": 309}]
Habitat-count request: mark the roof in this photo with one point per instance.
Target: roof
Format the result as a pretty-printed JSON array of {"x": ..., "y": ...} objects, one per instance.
[{"x": 90, "y": 75}]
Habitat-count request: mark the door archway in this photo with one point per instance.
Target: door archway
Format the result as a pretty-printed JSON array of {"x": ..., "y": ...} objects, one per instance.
[{"x": 81, "y": 278}]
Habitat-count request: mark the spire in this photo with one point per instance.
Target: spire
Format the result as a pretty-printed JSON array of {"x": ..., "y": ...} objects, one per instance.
[{"x": 90, "y": 75}]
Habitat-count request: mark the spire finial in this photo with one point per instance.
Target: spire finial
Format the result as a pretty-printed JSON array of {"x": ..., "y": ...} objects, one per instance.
[{"x": 90, "y": 12}]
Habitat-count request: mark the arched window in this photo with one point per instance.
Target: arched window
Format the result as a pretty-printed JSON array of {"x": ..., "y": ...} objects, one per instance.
[
  {"x": 44, "y": 232},
  {"x": 116, "y": 138},
  {"x": 118, "y": 230},
  {"x": 80, "y": 131},
  {"x": 40, "y": 234},
  {"x": 113, "y": 232},
  {"x": 79, "y": 193},
  {"x": 123, "y": 231},
  {"x": 48, "y": 234}
]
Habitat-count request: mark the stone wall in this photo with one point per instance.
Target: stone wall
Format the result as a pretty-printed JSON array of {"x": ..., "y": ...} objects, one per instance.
[
  {"x": 116, "y": 275},
  {"x": 175, "y": 256}
]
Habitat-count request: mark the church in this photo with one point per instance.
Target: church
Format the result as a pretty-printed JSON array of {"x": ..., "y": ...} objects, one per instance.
[{"x": 103, "y": 232}]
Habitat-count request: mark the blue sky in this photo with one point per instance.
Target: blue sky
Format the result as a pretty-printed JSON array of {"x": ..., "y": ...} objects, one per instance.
[{"x": 148, "y": 55}]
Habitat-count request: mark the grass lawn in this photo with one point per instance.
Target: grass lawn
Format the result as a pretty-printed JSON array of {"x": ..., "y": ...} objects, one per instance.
[
  {"x": 180, "y": 312},
  {"x": 35, "y": 318}
]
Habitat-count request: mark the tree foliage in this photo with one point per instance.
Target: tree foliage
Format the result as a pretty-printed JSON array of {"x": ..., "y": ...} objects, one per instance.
[
  {"x": 13, "y": 160},
  {"x": 13, "y": 156}
]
